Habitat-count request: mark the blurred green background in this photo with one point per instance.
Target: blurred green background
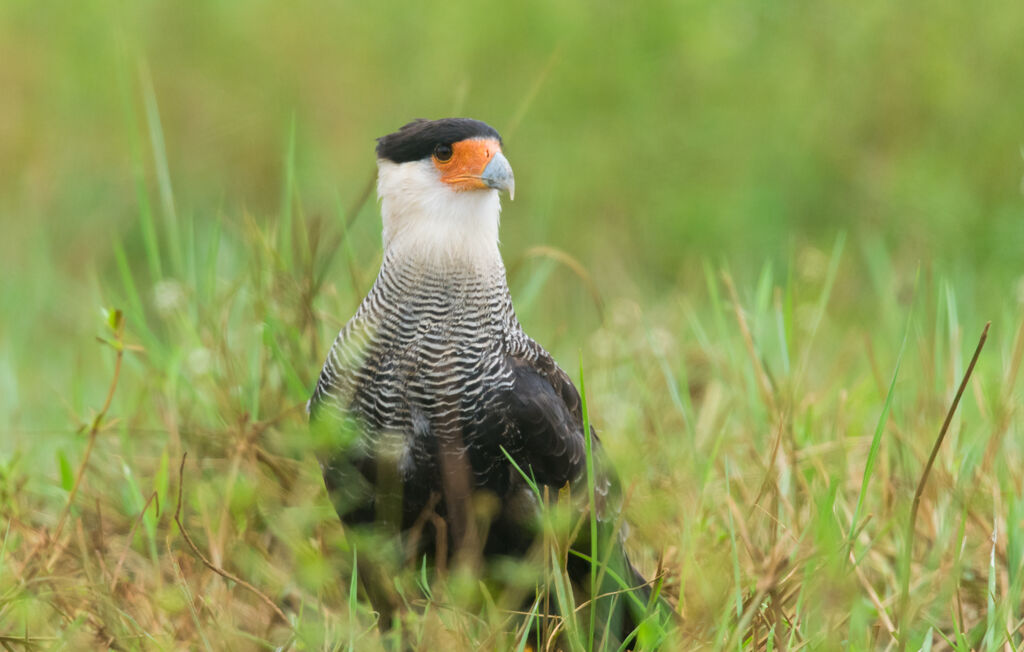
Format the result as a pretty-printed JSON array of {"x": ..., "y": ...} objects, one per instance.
[
  {"x": 645, "y": 139},
  {"x": 650, "y": 142}
]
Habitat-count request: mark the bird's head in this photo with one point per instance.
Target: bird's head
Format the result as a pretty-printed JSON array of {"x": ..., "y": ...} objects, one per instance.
[{"x": 438, "y": 183}]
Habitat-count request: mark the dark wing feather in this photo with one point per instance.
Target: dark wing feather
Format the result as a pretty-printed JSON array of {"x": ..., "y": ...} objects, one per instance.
[
  {"x": 547, "y": 411},
  {"x": 550, "y": 429},
  {"x": 546, "y": 407}
]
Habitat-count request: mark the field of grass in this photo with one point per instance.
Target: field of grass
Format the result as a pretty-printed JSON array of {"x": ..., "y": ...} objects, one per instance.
[{"x": 771, "y": 236}]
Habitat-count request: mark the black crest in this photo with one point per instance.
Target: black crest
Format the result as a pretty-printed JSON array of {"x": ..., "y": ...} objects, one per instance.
[{"x": 417, "y": 140}]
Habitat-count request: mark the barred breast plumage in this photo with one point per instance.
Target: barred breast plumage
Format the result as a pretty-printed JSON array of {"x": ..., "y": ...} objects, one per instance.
[{"x": 425, "y": 366}]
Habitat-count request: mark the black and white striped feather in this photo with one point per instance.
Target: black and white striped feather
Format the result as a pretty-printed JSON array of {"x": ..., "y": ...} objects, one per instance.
[{"x": 436, "y": 358}]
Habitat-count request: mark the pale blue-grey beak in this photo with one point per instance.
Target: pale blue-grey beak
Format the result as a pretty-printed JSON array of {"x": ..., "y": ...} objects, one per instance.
[{"x": 498, "y": 175}]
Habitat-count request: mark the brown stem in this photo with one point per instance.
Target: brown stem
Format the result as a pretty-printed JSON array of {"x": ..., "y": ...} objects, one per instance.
[
  {"x": 206, "y": 562},
  {"x": 764, "y": 384},
  {"x": 912, "y": 523},
  {"x": 131, "y": 536},
  {"x": 94, "y": 430}
]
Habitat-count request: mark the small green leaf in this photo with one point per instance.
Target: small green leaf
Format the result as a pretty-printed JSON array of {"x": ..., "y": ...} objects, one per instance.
[
  {"x": 67, "y": 476},
  {"x": 115, "y": 319}
]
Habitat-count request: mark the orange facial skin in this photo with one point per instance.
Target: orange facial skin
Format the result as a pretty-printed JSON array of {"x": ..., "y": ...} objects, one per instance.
[{"x": 469, "y": 158}]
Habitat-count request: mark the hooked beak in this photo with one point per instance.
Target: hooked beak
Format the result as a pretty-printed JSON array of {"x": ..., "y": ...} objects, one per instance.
[{"x": 498, "y": 175}]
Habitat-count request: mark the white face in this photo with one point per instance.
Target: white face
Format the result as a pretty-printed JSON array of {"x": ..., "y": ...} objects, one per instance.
[{"x": 436, "y": 221}]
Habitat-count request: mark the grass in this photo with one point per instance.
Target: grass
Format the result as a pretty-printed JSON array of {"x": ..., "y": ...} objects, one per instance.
[
  {"x": 775, "y": 311},
  {"x": 719, "y": 435}
]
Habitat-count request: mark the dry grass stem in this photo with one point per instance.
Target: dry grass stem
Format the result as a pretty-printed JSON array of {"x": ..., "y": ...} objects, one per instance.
[
  {"x": 206, "y": 562},
  {"x": 904, "y": 615}
]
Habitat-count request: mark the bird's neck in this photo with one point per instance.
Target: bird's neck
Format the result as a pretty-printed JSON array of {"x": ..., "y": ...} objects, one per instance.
[
  {"x": 427, "y": 224},
  {"x": 421, "y": 288},
  {"x": 406, "y": 273},
  {"x": 442, "y": 251},
  {"x": 445, "y": 248}
]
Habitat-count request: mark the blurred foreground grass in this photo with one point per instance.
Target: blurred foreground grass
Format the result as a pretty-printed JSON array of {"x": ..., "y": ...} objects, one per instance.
[
  {"x": 686, "y": 176},
  {"x": 743, "y": 427}
]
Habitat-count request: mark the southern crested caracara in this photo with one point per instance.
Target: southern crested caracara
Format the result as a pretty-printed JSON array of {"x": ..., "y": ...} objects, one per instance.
[{"x": 432, "y": 386}]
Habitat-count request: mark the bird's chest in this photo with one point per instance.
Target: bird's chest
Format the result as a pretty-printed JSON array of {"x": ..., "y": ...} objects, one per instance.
[{"x": 431, "y": 357}]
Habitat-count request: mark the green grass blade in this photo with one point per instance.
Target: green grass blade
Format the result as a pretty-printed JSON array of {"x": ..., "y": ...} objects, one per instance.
[
  {"x": 591, "y": 502},
  {"x": 163, "y": 173},
  {"x": 273, "y": 332},
  {"x": 992, "y": 613},
  {"x": 353, "y": 600},
  {"x": 823, "y": 299},
  {"x": 287, "y": 197},
  {"x": 528, "y": 478},
  {"x": 521, "y": 645},
  {"x": 876, "y": 440},
  {"x": 736, "y": 576},
  {"x": 145, "y": 212},
  {"x": 566, "y": 604}
]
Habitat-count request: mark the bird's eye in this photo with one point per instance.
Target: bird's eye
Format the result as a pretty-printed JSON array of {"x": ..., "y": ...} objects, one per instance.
[{"x": 443, "y": 152}]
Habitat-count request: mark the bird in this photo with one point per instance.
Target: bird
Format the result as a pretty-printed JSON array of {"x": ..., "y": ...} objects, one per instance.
[{"x": 434, "y": 401}]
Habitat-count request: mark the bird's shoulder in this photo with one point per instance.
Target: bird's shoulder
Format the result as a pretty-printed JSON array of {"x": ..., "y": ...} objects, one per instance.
[
  {"x": 547, "y": 408},
  {"x": 534, "y": 367},
  {"x": 544, "y": 405}
]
